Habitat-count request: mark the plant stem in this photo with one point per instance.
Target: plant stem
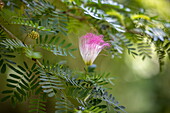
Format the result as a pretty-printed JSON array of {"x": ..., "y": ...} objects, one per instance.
[{"x": 10, "y": 34}]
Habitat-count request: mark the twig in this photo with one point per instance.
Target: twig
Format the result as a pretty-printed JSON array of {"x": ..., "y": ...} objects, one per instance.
[
  {"x": 75, "y": 16},
  {"x": 139, "y": 33},
  {"x": 12, "y": 36},
  {"x": 135, "y": 32},
  {"x": 80, "y": 18}
]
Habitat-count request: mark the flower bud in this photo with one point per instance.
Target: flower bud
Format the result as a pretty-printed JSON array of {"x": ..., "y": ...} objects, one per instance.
[{"x": 34, "y": 35}]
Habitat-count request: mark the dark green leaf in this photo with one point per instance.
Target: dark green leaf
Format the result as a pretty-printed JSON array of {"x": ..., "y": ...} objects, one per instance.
[
  {"x": 7, "y": 91},
  {"x": 21, "y": 91},
  {"x": 1, "y": 62},
  {"x": 20, "y": 67},
  {"x": 29, "y": 74},
  {"x": 33, "y": 66},
  {"x": 38, "y": 91},
  {"x": 12, "y": 81},
  {"x": 56, "y": 40},
  {"x": 26, "y": 78},
  {"x": 11, "y": 85},
  {"x": 3, "y": 69},
  {"x": 14, "y": 69},
  {"x": 61, "y": 43},
  {"x": 73, "y": 49},
  {"x": 36, "y": 69},
  {"x": 16, "y": 94},
  {"x": 14, "y": 76},
  {"x": 37, "y": 73},
  {"x": 23, "y": 86},
  {"x": 13, "y": 101},
  {"x": 34, "y": 82},
  {"x": 10, "y": 56},
  {"x": 5, "y": 98},
  {"x": 52, "y": 39},
  {"x": 32, "y": 77},
  {"x": 68, "y": 45},
  {"x": 40, "y": 39},
  {"x": 35, "y": 86},
  {"x": 95, "y": 101},
  {"x": 25, "y": 64},
  {"x": 46, "y": 37},
  {"x": 37, "y": 41},
  {"x": 25, "y": 83},
  {"x": 102, "y": 106}
]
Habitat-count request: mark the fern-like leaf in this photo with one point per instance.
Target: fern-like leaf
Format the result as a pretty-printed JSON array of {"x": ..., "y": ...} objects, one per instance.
[
  {"x": 21, "y": 83},
  {"x": 54, "y": 45},
  {"x": 50, "y": 84},
  {"x": 37, "y": 105},
  {"x": 100, "y": 93},
  {"x": 63, "y": 105},
  {"x": 19, "y": 46},
  {"x": 57, "y": 21},
  {"x": 27, "y": 22},
  {"x": 13, "y": 44},
  {"x": 5, "y": 54},
  {"x": 144, "y": 50}
]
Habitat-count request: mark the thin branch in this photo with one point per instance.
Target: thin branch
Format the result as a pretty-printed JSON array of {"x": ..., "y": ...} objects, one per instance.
[
  {"x": 75, "y": 16},
  {"x": 135, "y": 32},
  {"x": 139, "y": 33},
  {"x": 10, "y": 34},
  {"x": 80, "y": 18}
]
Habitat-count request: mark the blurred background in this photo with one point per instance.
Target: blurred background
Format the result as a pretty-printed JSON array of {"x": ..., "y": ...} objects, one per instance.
[{"x": 138, "y": 84}]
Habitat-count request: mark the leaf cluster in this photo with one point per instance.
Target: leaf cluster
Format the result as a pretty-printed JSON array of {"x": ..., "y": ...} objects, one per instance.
[
  {"x": 127, "y": 29},
  {"x": 45, "y": 25}
]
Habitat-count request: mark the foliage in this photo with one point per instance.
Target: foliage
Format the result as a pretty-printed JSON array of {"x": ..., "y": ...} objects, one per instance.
[
  {"x": 38, "y": 104},
  {"x": 5, "y": 56},
  {"x": 50, "y": 45},
  {"x": 123, "y": 27},
  {"x": 46, "y": 26},
  {"x": 21, "y": 84}
]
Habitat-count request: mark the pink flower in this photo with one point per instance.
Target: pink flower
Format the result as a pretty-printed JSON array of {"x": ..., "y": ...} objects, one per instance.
[{"x": 90, "y": 46}]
